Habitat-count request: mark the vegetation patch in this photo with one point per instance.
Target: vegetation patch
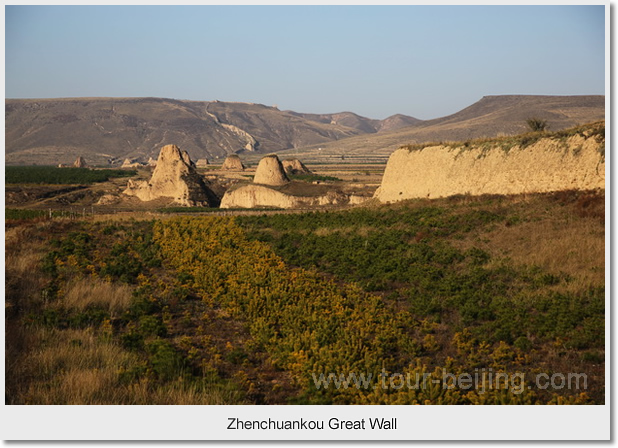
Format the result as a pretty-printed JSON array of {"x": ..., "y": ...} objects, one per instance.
[
  {"x": 56, "y": 175},
  {"x": 252, "y": 309},
  {"x": 175, "y": 210},
  {"x": 98, "y": 324},
  {"x": 305, "y": 323},
  {"x": 429, "y": 259},
  {"x": 313, "y": 178},
  {"x": 593, "y": 130},
  {"x": 19, "y": 214}
]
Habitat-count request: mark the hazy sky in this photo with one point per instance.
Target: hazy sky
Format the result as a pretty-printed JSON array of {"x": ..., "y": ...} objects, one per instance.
[{"x": 424, "y": 61}]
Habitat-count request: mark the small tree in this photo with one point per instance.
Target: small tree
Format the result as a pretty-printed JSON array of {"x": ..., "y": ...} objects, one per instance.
[{"x": 537, "y": 124}]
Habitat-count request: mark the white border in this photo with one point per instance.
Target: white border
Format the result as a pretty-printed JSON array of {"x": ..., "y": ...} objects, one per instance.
[
  {"x": 210, "y": 422},
  {"x": 414, "y": 422}
]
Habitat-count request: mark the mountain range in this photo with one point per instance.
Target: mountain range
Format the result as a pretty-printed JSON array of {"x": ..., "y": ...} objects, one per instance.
[
  {"x": 109, "y": 130},
  {"x": 492, "y": 116}
]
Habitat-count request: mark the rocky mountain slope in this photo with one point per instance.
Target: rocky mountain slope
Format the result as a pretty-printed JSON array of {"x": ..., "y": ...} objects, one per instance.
[
  {"x": 492, "y": 116},
  {"x": 55, "y": 131},
  {"x": 104, "y": 130}
]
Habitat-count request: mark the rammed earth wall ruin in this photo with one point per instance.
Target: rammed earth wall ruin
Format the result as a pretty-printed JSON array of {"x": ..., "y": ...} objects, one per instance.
[{"x": 550, "y": 164}]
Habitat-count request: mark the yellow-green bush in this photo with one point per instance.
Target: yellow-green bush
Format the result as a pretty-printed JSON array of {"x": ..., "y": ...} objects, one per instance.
[
  {"x": 307, "y": 324},
  {"x": 310, "y": 325}
]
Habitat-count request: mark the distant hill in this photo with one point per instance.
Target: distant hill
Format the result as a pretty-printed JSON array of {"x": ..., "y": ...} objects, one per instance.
[
  {"x": 398, "y": 121},
  {"x": 492, "y": 116},
  {"x": 507, "y": 114},
  {"x": 51, "y": 131},
  {"x": 363, "y": 124}
]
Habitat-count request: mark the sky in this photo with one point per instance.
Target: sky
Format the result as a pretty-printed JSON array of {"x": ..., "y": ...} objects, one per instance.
[{"x": 376, "y": 61}]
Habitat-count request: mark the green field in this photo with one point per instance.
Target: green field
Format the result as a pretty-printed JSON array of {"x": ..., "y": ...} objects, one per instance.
[
  {"x": 14, "y": 213},
  {"x": 64, "y": 176}
]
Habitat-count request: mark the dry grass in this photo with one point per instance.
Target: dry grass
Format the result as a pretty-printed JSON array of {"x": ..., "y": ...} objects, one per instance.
[
  {"x": 575, "y": 248},
  {"x": 54, "y": 366},
  {"x": 23, "y": 285},
  {"x": 81, "y": 367},
  {"x": 565, "y": 235},
  {"x": 120, "y": 216},
  {"x": 596, "y": 129},
  {"x": 90, "y": 292},
  {"x": 325, "y": 231},
  {"x": 75, "y": 367},
  {"x": 180, "y": 393}
]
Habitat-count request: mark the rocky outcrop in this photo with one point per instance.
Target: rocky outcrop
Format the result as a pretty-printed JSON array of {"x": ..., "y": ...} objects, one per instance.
[
  {"x": 270, "y": 172},
  {"x": 202, "y": 163},
  {"x": 232, "y": 163},
  {"x": 174, "y": 177},
  {"x": 250, "y": 142},
  {"x": 550, "y": 164},
  {"x": 80, "y": 163},
  {"x": 294, "y": 167},
  {"x": 260, "y": 196}
]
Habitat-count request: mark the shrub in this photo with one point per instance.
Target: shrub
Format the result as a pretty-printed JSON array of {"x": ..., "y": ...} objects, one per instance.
[
  {"x": 536, "y": 124},
  {"x": 166, "y": 362}
]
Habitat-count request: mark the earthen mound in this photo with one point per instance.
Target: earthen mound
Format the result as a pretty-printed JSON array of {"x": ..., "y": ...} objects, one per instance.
[
  {"x": 80, "y": 163},
  {"x": 270, "y": 172},
  {"x": 108, "y": 199},
  {"x": 131, "y": 163},
  {"x": 259, "y": 196},
  {"x": 294, "y": 167},
  {"x": 202, "y": 163},
  {"x": 174, "y": 177},
  {"x": 550, "y": 163},
  {"x": 232, "y": 163},
  {"x": 256, "y": 196},
  {"x": 187, "y": 159}
]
